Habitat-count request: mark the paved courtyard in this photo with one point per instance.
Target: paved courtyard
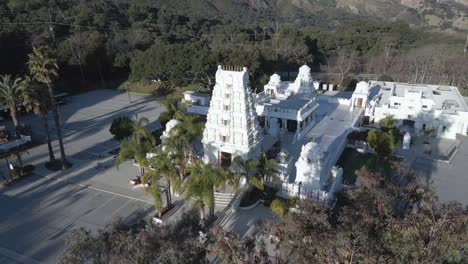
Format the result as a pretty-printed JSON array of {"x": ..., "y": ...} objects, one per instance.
[
  {"x": 450, "y": 179},
  {"x": 38, "y": 213}
]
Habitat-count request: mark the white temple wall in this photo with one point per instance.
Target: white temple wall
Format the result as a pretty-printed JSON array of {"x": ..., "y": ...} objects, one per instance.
[{"x": 446, "y": 125}]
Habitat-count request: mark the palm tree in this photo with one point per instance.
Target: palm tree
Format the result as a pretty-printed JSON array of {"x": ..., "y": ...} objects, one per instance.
[
  {"x": 269, "y": 169},
  {"x": 190, "y": 129},
  {"x": 161, "y": 169},
  {"x": 203, "y": 179},
  {"x": 36, "y": 98},
  {"x": 177, "y": 147},
  {"x": 140, "y": 132},
  {"x": 137, "y": 146},
  {"x": 249, "y": 169},
  {"x": 11, "y": 94},
  {"x": 43, "y": 68},
  {"x": 173, "y": 104}
]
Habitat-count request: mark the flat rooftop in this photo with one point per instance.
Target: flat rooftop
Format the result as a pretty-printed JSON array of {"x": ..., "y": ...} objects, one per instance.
[
  {"x": 444, "y": 97},
  {"x": 294, "y": 102},
  {"x": 332, "y": 122}
]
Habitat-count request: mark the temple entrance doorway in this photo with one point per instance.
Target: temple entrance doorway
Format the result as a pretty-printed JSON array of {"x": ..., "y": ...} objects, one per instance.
[
  {"x": 359, "y": 102},
  {"x": 225, "y": 159},
  {"x": 292, "y": 125}
]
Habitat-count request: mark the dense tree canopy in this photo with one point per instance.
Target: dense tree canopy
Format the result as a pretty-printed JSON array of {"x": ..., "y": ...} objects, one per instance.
[{"x": 103, "y": 41}]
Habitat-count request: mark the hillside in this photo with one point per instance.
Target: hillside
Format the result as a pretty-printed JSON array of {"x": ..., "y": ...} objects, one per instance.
[{"x": 449, "y": 15}]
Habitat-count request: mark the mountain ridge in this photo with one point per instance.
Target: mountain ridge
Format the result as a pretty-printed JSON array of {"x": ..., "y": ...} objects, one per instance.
[{"x": 448, "y": 15}]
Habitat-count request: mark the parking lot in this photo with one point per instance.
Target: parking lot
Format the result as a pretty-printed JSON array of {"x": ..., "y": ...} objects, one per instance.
[{"x": 37, "y": 213}]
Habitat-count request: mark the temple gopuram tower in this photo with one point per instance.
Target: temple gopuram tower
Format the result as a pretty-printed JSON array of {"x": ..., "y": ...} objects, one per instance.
[{"x": 231, "y": 128}]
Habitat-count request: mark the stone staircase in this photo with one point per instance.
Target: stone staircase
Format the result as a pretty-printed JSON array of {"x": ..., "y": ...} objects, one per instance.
[{"x": 223, "y": 199}]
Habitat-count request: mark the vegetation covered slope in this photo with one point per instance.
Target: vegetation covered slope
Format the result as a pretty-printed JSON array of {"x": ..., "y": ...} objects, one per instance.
[{"x": 443, "y": 15}]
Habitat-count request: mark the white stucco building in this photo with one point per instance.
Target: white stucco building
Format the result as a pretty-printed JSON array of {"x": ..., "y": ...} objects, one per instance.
[
  {"x": 232, "y": 127},
  {"x": 425, "y": 107},
  {"x": 288, "y": 106}
]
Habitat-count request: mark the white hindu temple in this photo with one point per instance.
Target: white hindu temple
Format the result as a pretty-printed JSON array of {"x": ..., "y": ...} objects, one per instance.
[
  {"x": 309, "y": 132},
  {"x": 232, "y": 126}
]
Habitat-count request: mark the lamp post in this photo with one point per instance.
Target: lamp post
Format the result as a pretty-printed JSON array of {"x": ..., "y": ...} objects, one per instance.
[{"x": 128, "y": 94}]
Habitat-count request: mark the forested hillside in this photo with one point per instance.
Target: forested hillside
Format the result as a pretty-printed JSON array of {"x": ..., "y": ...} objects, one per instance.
[{"x": 180, "y": 42}]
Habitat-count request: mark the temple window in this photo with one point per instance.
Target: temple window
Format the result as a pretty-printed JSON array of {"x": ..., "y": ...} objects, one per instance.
[{"x": 224, "y": 139}]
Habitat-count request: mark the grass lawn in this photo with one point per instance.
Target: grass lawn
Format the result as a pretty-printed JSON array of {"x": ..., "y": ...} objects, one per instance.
[
  {"x": 351, "y": 161},
  {"x": 139, "y": 87}
]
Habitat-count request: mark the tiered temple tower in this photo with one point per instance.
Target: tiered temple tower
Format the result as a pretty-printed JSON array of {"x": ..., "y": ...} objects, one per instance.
[{"x": 231, "y": 128}]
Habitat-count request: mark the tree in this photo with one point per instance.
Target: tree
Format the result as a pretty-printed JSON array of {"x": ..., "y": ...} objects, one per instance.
[
  {"x": 121, "y": 128},
  {"x": 279, "y": 207},
  {"x": 161, "y": 169},
  {"x": 11, "y": 94},
  {"x": 234, "y": 250},
  {"x": 269, "y": 169},
  {"x": 249, "y": 169},
  {"x": 343, "y": 63},
  {"x": 43, "y": 68},
  {"x": 388, "y": 121},
  {"x": 381, "y": 142},
  {"x": 173, "y": 104},
  {"x": 37, "y": 99},
  {"x": 137, "y": 146},
  {"x": 201, "y": 183},
  {"x": 142, "y": 242},
  {"x": 388, "y": 217}
]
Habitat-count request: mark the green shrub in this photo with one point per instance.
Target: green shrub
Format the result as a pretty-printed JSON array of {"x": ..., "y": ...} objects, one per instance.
[
  {"x": 121, "y": 128},
  {"x": 279, "y": 207}
]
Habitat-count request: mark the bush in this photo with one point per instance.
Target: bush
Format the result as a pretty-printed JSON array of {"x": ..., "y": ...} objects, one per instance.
[
  {"x": 28, "y": 169},
  {"x": 279, "y": 207},
  {"x": 121, "y": 128}
]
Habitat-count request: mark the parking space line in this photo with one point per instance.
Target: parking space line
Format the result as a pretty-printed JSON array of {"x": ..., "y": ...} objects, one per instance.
[
  {"x": 17, "y": 256},
  {"x": 93, "y": 188}
]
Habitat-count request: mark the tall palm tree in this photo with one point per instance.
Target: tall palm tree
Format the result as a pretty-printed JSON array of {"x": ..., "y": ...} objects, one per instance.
[
  {"x": 11, "y": 94},
  {"x": 43, "y": 67},
  {"x": 203, "y": 179},
  {"x": 173, "y": 104},
  {"x": 161, "y": 170},
  {"x": 137, "y": 146},
  {"x": 177, "y": 146},
  {"x": 190, "y": 129},
  {"x": 129, "y": 149},
  {"x": 249, "y": 168},
  {"x": 36, "y": 98}
]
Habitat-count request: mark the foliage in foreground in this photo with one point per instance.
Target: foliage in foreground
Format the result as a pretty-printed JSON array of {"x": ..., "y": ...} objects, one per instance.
[
  {"x": 120, "y": 243},
  {"x": 386, "y": 219}
]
